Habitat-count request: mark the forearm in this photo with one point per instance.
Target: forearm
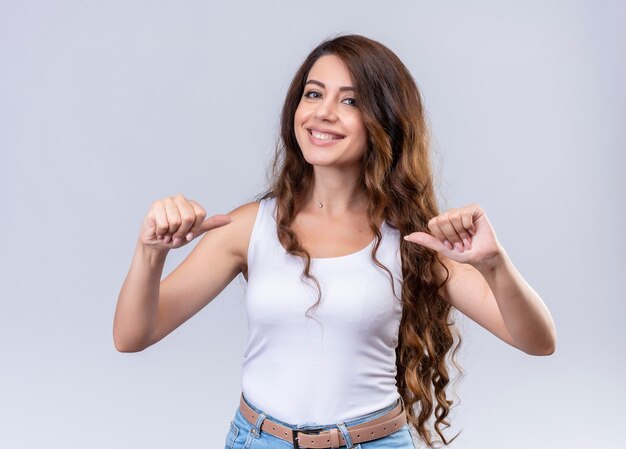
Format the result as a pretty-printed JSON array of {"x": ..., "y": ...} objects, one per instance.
[
  {"x": 525, "y": 315},
  {"x": 138, "y": 302}
]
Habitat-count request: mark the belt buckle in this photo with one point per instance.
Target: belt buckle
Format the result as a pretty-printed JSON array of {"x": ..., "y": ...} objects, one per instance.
[{"x": 294, "y": 435}]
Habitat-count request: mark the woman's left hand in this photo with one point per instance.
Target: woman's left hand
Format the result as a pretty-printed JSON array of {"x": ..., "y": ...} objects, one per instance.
[{"x": 464, "y": 235}]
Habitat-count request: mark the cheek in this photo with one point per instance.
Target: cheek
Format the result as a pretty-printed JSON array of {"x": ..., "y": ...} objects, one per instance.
[
  {"x": 359, "y": 129},
  {"x": 298, "y": 120},
  {"x": 299, "y": 116}
]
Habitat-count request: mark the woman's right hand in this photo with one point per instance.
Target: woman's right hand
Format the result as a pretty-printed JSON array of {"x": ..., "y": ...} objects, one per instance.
[{"x": 175, "y": 221}]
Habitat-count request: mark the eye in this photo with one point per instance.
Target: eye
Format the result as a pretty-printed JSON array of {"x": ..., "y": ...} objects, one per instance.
[
  {"x": 351, "y": 101},
  {"x": 312, "y": 94}
]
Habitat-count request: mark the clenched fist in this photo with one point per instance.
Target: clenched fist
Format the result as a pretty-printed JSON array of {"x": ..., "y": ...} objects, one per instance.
[
  {"x": 175, "y": 221},
  {"x": 465, "y": 235}
]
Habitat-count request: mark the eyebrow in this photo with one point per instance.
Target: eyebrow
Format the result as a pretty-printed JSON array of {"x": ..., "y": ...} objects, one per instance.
[{"x": 322, "y": 85}]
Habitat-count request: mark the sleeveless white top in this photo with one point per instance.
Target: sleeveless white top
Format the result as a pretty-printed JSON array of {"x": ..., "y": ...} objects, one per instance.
[{"x": 303, "y": 372}]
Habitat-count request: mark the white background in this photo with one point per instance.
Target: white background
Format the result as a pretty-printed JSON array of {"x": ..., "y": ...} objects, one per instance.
[{"x": 106, "y": 106}]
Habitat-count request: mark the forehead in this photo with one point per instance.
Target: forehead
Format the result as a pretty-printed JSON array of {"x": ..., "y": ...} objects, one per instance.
[{"x": 330, "y": 70}]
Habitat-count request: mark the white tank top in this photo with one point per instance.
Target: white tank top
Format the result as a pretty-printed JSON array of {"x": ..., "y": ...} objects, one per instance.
[{"x": 303, "y": 372}]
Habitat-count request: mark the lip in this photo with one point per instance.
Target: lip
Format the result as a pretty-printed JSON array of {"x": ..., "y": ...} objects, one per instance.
[
  {"x": 325, "y": 131},
  {"x": 322, "y": 143}
]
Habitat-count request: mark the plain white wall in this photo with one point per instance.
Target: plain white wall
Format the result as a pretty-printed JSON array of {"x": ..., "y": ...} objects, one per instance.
[{"x": 107, "y": 106}]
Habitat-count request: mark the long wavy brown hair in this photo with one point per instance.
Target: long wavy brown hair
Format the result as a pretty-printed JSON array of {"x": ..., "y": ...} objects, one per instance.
[{"x": 396, "y": 175}]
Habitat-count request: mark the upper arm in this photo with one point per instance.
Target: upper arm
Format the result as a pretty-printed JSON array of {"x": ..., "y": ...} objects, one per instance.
[
  {"x": 216, "y": 260},
  {"x": 468, "y": 291}
]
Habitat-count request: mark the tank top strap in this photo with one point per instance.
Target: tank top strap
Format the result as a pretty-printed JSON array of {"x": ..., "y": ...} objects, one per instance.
[{"x": 263, "y": 237}]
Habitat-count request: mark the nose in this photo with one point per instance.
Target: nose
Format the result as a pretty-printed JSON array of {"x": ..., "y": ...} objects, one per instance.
[{"x": 326, "y": 110}]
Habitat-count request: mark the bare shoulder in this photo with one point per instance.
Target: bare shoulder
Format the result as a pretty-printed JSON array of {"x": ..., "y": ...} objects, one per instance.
[
  {"x": 239, "y": 230},
  {"x": 246, "y": 216}
]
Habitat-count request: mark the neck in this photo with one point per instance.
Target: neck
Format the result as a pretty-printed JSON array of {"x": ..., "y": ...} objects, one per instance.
[{"x": 336, "y": 192}]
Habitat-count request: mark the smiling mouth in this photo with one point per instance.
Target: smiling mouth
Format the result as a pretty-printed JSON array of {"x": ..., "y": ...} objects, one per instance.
[{"x": 324, "y": 136}]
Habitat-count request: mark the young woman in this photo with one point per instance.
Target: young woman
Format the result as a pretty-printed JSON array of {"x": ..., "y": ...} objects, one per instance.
[{"x": 352, "y": 270}]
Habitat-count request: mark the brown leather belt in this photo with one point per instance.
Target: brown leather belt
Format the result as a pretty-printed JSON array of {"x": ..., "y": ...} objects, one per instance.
[{"x": 382, "y": 426}]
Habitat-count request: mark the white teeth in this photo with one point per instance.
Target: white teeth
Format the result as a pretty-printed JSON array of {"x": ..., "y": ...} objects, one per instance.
[{"x": 323, "y": 136}]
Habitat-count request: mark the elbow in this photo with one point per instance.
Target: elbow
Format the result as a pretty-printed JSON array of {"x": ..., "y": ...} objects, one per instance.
[
  {"x": 125, "y": 345},
  {"x": 547, "y": 349},
  {"x": 550, "y": 349},
  {"x": 551, "y": 346},
  {"x": 127, "y": 349},
  {"x": 547, "y": 345}
]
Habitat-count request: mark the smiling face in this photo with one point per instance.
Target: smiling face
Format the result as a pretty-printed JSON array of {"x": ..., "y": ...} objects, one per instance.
[{"x": 328, "y": 124}]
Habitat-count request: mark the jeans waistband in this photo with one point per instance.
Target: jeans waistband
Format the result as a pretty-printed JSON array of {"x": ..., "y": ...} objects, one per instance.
[{"x": 352, "y": 422}]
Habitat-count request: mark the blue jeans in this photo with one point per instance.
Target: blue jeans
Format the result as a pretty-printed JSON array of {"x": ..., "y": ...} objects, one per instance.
[{"x": 243, "y": 435}]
